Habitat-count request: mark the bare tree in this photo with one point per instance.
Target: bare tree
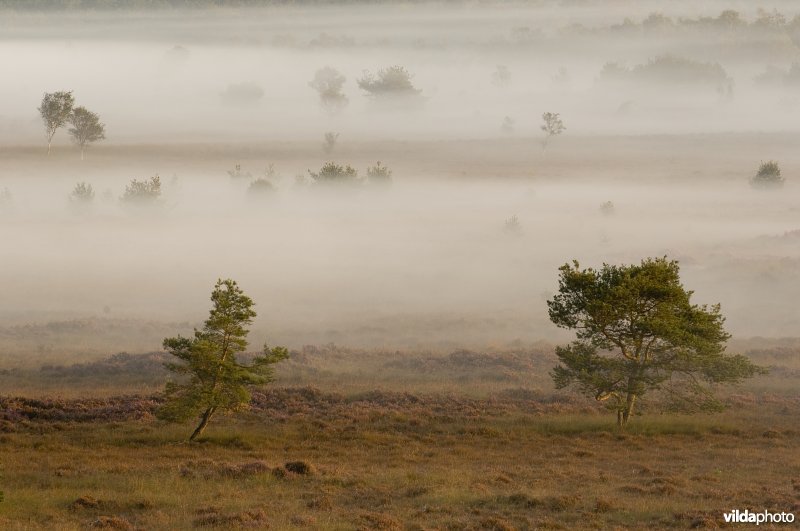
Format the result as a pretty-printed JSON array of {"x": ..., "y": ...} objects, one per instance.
[
  {"x": 86, "y": 128},
  {"x": 55, "y": 109},
  {"x": 330, "y": 142}
]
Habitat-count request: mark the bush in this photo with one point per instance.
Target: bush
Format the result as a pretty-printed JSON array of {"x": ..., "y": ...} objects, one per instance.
[
  {"x": 237, "y": 173},
  {"x": 82, "y": 193},
  {"x": 332, "y": 173},
  {"x": 379, "y": 174},
  {"x": 391, "y": 81},
  {"x": 608, "y": 208},
  {"x": 672, "y": 70},
  {"x": 260, "y": 187},
  {"x": 143, "y": 192},
  {"x": 768, "y": 176}
]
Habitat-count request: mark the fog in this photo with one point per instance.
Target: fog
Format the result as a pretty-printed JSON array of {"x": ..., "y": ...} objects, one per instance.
[{"x": 435, "y": 258}]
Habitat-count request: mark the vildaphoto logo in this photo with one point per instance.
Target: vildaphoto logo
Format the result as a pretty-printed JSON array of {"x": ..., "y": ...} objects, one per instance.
[{"x": 747, "y": 517}]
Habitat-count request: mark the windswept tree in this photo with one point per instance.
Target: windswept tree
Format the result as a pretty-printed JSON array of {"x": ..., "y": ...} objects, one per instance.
[
  {"x": 328, "y": 83},
  {"x": 211, "y": 378},
  {"x": 638, "y": 332},
  {"x": 552, "y": 127},
  {"x": 86, "y": 128},
  {"x": 55, "y": 109}
]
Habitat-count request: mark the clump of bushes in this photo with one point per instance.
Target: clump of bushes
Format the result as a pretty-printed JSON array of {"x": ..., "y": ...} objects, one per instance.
[
  {"x": 672, "y": 70},
  {"x": 335, "y": 174},
  {"x": 768, "y": 176},
  {"x": 391, "y": 81},
  {"x": 147, "y": 191},
  {"x": 328, "y": 83}
]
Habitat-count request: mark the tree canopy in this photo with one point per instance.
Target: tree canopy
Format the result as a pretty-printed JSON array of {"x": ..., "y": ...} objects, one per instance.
[
  {"x": 638, "y": 332},
  {"x": 55, "y": 109}
]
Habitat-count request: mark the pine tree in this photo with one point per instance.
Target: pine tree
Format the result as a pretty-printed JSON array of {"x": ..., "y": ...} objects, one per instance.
[{"x": 212, "y": 379}]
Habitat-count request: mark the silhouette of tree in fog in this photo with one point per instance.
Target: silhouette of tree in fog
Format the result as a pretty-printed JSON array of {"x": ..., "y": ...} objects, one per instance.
[
  {"x": 55, "y": 109},
  {"x": 86, "y": 128},
  {"x": 328, "y": 83},
  {"x": 552, "y": 127}
]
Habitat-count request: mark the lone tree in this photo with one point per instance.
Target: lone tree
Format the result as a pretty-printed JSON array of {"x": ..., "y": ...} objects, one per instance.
[
  {"x": 637, "y": 331},
  {"x": 86, "y": 127},
  {"x": 55, "y": 109},
  {"x": 213, "y": 379},
  {"x": 552, "y": 127}
]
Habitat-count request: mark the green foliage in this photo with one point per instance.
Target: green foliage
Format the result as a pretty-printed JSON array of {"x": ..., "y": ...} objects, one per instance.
[
  {"x": 86, "y": 127},
  {"x": 335, "y": 174},
  {"x": 82, "y": 193},
  {"x": 637, "y": 331},
  {"x": 768, "y": 176},
  {"x": 142, "y": 192},
  {"x": 211, "y": 378},
  {"x": 55, "y": 109},
  {"x": 391, "y": 81}
]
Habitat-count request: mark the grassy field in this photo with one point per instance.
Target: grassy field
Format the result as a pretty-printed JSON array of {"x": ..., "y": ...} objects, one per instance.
[{"x": 463, "y": 440}]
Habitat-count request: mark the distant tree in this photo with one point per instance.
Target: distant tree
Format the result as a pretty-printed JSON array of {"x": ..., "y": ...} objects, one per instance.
[
  {"x": 211, "y": 378},
  {"x": 552, "y": 127},
  {"x": 82, "y": 193},
  {"x": 379, "y": 174},
  {"x": 6, "y": 198},
  {"x": 335, "y": 174},
  {"x": 86, "y": 128},
  {"x": 329, "y": 145},
  {"x": 508, "y": 125},
  {"x": 328, "y": 83},
  {"x": 768, "y": 176},
  {"x": 607, "y": 208},
  {"x": 142, "y": 192},
  {"x": 55, "y": 109},
  {"x": 637, "y": 332},
  {"x": 391, "y": 81}
]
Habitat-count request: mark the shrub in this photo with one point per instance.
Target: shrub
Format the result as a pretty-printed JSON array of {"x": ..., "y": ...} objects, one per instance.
[
  {"x": 672, "y": 70},
  {"x": 260, "y": 187},
  {"x": 82, "y": 193},
  {"x": 391, "y": 81},
  {"x": 513, "y": 226},
  {"x": 237, "y": 173},
  {"x": 332, "y": 173},
  {"x": 379, "y": 174},
  {"x": 607, "y": 208},
  {"x": 768, "y": 176},
  {"x": 143, "y": 192}
]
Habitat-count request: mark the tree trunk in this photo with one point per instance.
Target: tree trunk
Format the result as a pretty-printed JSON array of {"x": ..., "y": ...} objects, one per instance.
[
  {"x": 203, "y": 422},
  {"x": 81, "y": 152},
  {"x": 48, "y": 147},
  {"x": 624, "y": 414}
]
